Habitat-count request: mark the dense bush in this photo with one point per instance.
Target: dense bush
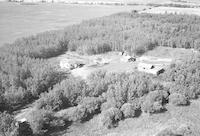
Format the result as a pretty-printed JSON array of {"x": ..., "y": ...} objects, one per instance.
[
  {"x": 154, "y": 101},
  {"x": 185, "y": 77},
  {"x": 128, "y": 110},
  {"x": 96, "y": 47},
  {"x": 178, "y": 99},
  {"x": 167, "y": 132},
  {"x": 22, "y": 79},
  {"x": 75, "y": 113},
  {"x": 24, "y": 129},
  {"x": 54, "y": 101},
  {"x": 133, "y": 32},
  {"x": 7, "y": 125},
  {"x": 97, "y": 83},
  {"x": 92, "y": 105},
  {"x": 127, "y": 87},
  {"x": 64, "y": 94},
  {"x": 40, "y": 121},
  {"x": 182, "y": 130},
  {"x": 88, "y": 107},
  {"x": 110, "y": 117},
  {"x": 43, "y": 45}
]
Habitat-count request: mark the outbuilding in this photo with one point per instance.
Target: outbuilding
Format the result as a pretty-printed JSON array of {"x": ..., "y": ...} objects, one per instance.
[{"x": 150, "y": 68}]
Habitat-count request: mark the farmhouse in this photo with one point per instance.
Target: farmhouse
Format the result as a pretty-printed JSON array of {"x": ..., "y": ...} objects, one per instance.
[{"x": 150, "y": 68}]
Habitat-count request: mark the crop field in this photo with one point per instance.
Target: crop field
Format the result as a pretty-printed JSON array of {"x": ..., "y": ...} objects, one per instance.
[{"x": 18, "y": 21}]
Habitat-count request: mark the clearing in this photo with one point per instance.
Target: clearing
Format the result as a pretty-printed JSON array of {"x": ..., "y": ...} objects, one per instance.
[{"x": 113, "y": 62}]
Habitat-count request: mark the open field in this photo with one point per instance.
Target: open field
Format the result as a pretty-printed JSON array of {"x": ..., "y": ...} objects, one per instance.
[
  {"x": 173, "y": 10},
  {"x": 23, "y": 20}
]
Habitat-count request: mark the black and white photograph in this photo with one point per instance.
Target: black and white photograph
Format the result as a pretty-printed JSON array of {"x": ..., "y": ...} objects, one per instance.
[{"x": 99, "y": 67}]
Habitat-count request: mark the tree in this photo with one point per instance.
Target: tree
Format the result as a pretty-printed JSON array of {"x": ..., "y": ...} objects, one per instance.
[
  {"x": 154, "y": 102},
  {"x": 128, "y": 110},
  {"x": 110, "y": 117}
]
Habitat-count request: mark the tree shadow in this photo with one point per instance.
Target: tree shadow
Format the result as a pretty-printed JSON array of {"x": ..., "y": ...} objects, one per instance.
[{"x": 138, "y": 113}]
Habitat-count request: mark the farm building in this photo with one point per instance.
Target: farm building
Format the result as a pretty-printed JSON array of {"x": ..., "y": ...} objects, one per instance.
[
  {"x": 66, "y": 64},
  {"x": 150, "y": 68},
  {"x": 128, "y": 59}
]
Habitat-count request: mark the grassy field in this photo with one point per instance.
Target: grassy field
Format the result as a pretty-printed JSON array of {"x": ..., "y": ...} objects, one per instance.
[{"x": 22, "y": 20}]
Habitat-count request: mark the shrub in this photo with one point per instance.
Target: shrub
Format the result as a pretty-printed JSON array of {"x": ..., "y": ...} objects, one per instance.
[
  {"x": 182, "y": 130},
  {"x": 2, "y": 103},
  {"x": 65, "y": 94},
  {"x": 94, "y": 47},
  {"x": 128, "y": 110},
  {"x": 185, "y": 130},
  {"x": 188, "y": 92},
  {"x": 75, "y": 113},
  {"x": 110, "y": 117},
  {"x": 166, "y": 132},
  {"x": 88, "y": 107},
  {"x": 53, "y": 100},
  {"x": 25, "y": 129},
  {"x": 178, "y": 99},
  {"x": 139, "y": 50},
  {"x": 7, "y": 124},
  {"x": 97, "y": 83},
  {"x": 154, "y": 102},
  {"x": 107, "y": 105},
  {"x": 40, "y": 121},
  {"x": 91, "y": 104},
  {"x": 117, "y": 94}
]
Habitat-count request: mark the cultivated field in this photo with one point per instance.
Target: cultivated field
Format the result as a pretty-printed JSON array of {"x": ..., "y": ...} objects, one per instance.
[{"x": 18, "y": 21}]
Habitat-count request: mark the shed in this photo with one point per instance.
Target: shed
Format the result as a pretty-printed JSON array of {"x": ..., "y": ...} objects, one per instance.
[{"x": 150, "y": 68}]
